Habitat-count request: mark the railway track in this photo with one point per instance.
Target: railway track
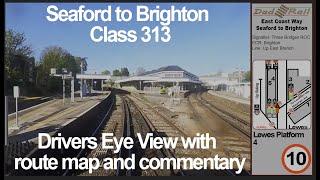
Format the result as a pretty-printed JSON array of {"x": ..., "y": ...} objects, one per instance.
[
  {"x": 127, "y": 121},
  {"x": 138, "y": 116},
  {"x": 239, "y": 124},
  {"x": 166, "y": 126},
  {"x": 158, "y": 118},
  {"x": 114, "y": 125},
  {"x": 238, "y": 109},
  {"x": 234, "y": 140},
  {"x": 125, "y": 116},
  {"x": 94, "y": 133},
  {"x": 144, "y": 125}
]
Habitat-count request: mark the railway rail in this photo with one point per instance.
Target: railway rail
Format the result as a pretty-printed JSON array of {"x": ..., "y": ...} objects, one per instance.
[
  {"x": 125, "y": 115},
  {"x": 166, "y": 125},
  {"x": 132, "y": 121},
  {"x": 235, "y": 143},
  {"x": 240, "y": 124},
  {"x": 138, "y": 115}
]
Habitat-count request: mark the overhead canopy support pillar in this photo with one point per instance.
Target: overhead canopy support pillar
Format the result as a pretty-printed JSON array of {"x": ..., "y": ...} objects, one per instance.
[
  {"x": 72, "y": 90},
  {"x": 63, "y": 90},
  {"x": 81, "y": 89},
  {"x": 101, "y": 85}
]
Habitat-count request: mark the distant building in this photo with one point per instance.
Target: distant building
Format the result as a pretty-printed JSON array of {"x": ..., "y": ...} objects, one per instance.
[
  {"x": 237, "y": 75},
  {"x": 240, "y": 89},
  {"x": 168, "y": 76},
  {"x": 219, "y": 81},
  {"x": 229, "y": 82}
]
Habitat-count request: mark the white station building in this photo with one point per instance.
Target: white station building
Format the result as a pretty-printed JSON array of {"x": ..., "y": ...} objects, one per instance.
[
  {"x": 227, "y": 82},
  {"x": 168, "y": 76}
]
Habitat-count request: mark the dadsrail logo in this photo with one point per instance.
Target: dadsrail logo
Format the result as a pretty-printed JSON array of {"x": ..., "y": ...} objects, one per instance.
[{"x": 281, "y": 11}]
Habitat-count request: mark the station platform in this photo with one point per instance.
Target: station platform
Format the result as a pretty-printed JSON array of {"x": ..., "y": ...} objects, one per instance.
[{"x": 49, "y": 117}]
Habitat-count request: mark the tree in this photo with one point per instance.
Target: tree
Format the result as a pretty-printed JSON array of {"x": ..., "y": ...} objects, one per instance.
[
  {"x": 59, "y": 58},
  {"x": 247, "y": 76},
  {"x": 17, "y": 58},
  {"x": 105, "y": 72},
  {"x": 140, "y": 71},
  {"x": 124, "y": 71},
  {"x": 15, "y": 44},
  {"x": 80, "y": 60},
  {"x": 116, "y": 72}
]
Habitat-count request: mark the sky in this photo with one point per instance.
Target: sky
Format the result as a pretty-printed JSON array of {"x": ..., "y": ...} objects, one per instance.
[{"x": 221, "y": 44}]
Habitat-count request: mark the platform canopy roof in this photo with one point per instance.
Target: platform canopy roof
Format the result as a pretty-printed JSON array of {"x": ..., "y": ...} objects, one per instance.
[
  {"x": 93, "y": 76},
  {"x": 152, "y": 76},
  {"x": 99, "y": 76},
  {"x": 156, "y": 79},
  {"x": 165, "y": 68}
]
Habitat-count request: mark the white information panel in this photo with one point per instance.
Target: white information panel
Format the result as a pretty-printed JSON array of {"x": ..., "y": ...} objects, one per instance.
[
  {"x": 16, "y": 91},
  {"x": 281, "y": 89}
]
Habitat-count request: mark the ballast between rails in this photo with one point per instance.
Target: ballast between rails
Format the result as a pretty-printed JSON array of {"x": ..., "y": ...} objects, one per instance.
[
  {"x": 153, "y": 129},
  {"x": 94, "y": 133},
  {"x": 241, "y": 127}
]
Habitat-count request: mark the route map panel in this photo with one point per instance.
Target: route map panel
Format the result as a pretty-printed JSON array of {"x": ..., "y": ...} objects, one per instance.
[
  {"x": 282, "y": 96},
  {"x": 281, "y": 89}
]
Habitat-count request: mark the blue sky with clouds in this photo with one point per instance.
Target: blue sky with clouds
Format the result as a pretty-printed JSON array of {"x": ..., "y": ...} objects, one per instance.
[{"x": 221, "y": 44}]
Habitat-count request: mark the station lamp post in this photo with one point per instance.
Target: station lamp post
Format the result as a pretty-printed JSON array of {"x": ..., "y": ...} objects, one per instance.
[{"x": 64, "y": 75}]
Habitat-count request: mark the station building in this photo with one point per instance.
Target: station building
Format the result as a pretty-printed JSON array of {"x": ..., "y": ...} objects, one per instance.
[
  {"x": 227, "y": 82},
  {"x": 164, "y": 77}
]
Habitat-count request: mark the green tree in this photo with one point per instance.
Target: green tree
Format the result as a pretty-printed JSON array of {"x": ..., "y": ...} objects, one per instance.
[
  {"x": 116, "y": 72},
  {"x": 17, "y": 55},
  {"x": 59, "y": 58},
  {"x": 247, "y": 76},
  {"x": 124, "y": 71},
  {"x": 105, "y": 72},
  {"x": 80, "y": 60}
]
